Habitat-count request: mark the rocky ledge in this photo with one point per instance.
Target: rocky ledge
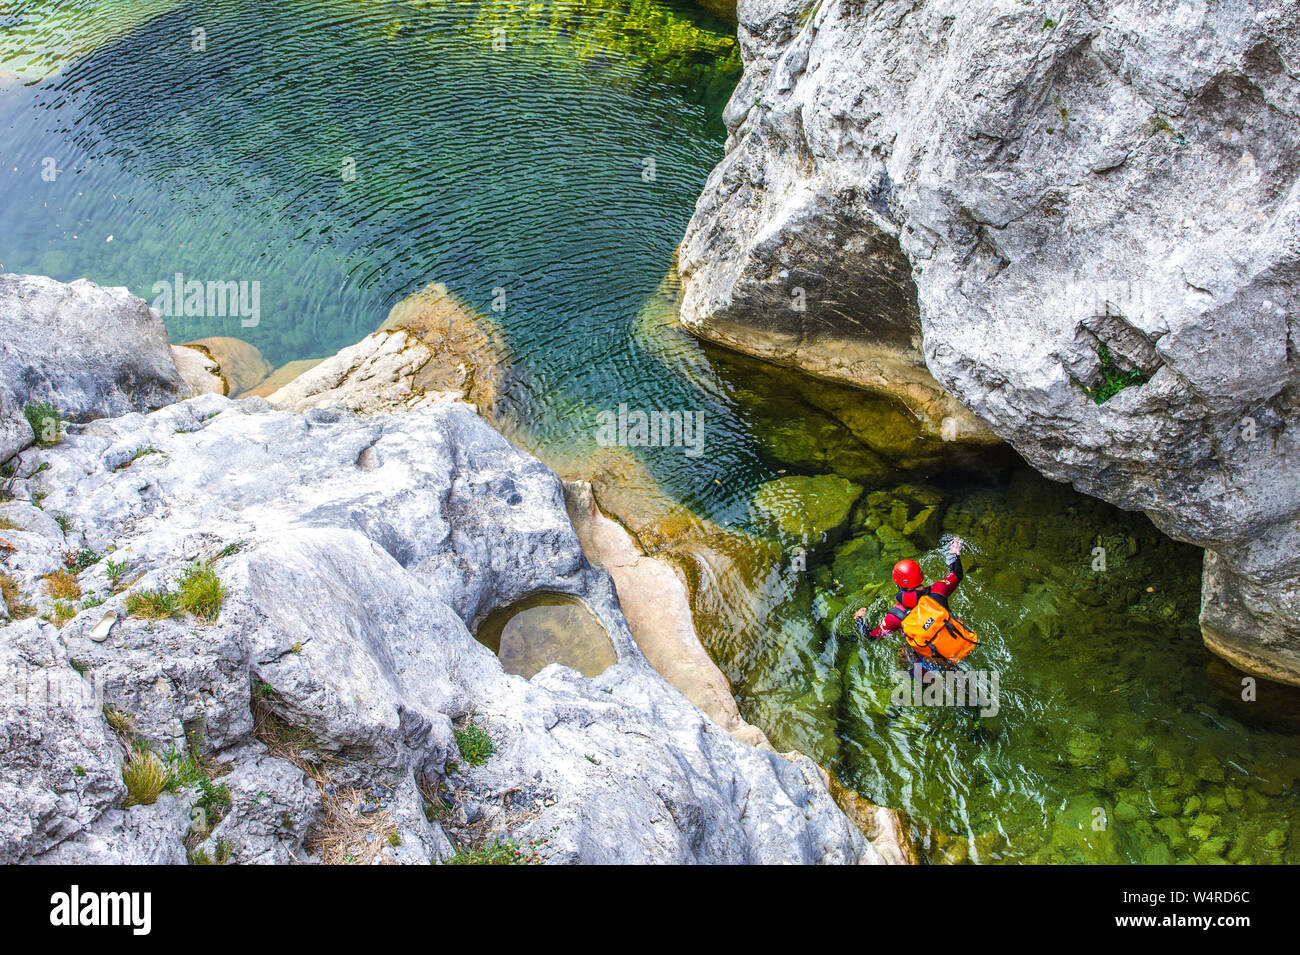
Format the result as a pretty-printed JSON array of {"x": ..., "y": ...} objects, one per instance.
[
  {"x": 1083, "y": 220},
  {"x": 239, "y": 633}
]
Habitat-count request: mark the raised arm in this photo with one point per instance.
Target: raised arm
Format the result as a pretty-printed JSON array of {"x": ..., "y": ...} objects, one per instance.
[{"x": 948, "y": 584}]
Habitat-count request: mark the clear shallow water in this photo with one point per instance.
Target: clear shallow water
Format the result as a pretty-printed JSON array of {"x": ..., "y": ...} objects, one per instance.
[
  {"x": 523, "y": 170},
  {"x": 547, "y": 628}
]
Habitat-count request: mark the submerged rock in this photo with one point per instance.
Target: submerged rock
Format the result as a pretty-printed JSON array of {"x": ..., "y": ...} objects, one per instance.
[
  {"x": 1039, "y": 209},
  {"x": 807, "y": 508}
]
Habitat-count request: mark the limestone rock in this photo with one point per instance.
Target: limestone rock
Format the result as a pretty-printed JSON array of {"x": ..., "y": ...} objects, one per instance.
[
  {"x": 356, "y": 556},
  {"x": 199, "y": 370},
  {"x": 239, "y": 364},
  {"x": 429, "y": 344},
  {"x": 282, "y": 376},
  {"x": 94, "y": 352}
]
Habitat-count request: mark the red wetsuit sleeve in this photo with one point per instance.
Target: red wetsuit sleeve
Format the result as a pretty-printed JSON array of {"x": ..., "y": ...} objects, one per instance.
[{"x": 888, "y": 625}]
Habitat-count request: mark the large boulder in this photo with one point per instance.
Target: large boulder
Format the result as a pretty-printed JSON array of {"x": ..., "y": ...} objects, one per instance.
[
  {"x": 324, "y": 699},
  {"x": 93, "y": 352},
  {"x": 1039, "y": 206}
]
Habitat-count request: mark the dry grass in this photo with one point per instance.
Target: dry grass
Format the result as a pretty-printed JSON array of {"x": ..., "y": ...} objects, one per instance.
[
  {"x": 282, "y": 738},
  {"x": 122, "y": 725},
  {"x": 63, "y": 585},
  {"x": 13, "y": 598},
  {"x": 63, "y": 612},
  {"x": 346, "y": 836},
  {"x": 145, "y": 776}
]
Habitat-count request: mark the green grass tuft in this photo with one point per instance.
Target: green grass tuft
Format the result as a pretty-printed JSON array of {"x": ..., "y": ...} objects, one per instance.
[
  {"x": 153, "y": 604},
  {"x": 498, "y": 853},
  {"x": 145, "y": 776},
  {"x": 46, "y": 421},
  {"x": 200, "y": 591},
  {"x": 475, "y": 744}
]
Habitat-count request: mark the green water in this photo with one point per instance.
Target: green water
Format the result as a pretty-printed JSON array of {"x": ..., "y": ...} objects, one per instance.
[
  {"x": 524, "y": 169},
  {"x": 1116, "y": 738}
]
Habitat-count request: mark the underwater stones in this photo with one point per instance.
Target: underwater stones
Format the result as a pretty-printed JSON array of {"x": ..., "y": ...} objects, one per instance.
[
  {"x": 1127, "y": 812},
  {"x": 1011, "y": 583},
  {"x": 807, "y": 508},
  {"x": 92, "y": 351},
  {"x": 1274, "y": 839},
  {"x": 1210, "y": 851},
  {"x": 1118, "y": 769},
  {"x": 1079, "y": 833},
  {"x": 1209, "y": 767},
  {"x": 720, "y": 8},
  {"x": 1173, "y": 832},
  {"x": 857, "y": 562},
  {"x": 1083, "y": 748},
  {"x": 239, "y": 364}
]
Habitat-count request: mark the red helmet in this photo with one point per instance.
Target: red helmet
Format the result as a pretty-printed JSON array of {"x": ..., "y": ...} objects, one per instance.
[{"x": 907, "y": 574}]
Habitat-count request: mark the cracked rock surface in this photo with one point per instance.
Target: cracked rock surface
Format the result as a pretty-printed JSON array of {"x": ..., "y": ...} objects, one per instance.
[{"x": 357, "y": 555}]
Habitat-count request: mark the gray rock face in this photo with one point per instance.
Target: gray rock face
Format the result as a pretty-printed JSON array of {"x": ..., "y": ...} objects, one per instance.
[
  {"x": 95, "y": 352},
  {"x": 1055, "y": 180},
  {"x": 357, "y": 554}
]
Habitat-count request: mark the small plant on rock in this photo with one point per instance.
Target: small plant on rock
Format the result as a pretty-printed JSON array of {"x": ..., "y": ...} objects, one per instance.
[
  {"x": 145, "y": 777},
  {"x": 13, "y": 598},
  {"x": 1113, "y": 380},
  {"x": 46, "y": 422},
  {"x": 116, "y": 570},
  {"x": 200, "y": 591},
  {"x": 63, "y": 585},
  {"x": 498, "y": 853},
  {"x": 62, "y": 613},
  {"x": 78, "y": 560},
  {"x": 475, "y": 745}
]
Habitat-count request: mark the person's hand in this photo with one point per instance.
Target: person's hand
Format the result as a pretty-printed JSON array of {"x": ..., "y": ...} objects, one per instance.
[
  {"x": 954, "y": 548},
  {"x": 862, "y": 612}
]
